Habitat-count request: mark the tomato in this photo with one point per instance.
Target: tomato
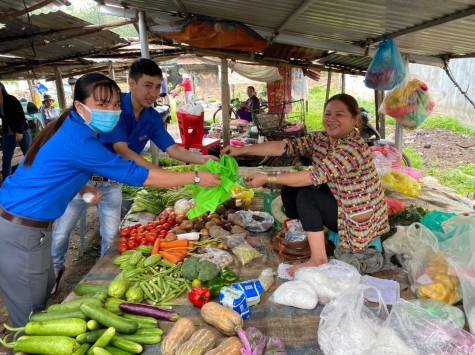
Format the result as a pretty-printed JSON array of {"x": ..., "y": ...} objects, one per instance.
[
  {"x": 162, "y": 221},
  {"x": 155, "y": 230},
  {"x": 130, "y": 227},
  {"x": 131, "y": 244},
  {"x": 138, "y": 237},
  {"x": 141, "y": 229},
  {"x": 171, "y": 221},
  {"x": 162, "y": 234},
  {"x": 150, "y": 237},
  {"x": 143, "y": 241},
  {"x": 149, "y": 243},
  {"x": 166, "y": 226},
  {"x": 122, "y": 248},
  {"x": 124, "y": 232},
  {"x": 123, "y": 240},
  {"x": 149, "y": 227}
]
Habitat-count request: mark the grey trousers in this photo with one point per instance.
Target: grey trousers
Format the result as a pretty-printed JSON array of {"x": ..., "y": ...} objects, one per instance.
[{"x": 26, "y": 270}]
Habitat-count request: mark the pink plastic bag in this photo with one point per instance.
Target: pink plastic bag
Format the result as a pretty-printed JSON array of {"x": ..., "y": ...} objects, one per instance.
[{"x": 392, "y": 154}]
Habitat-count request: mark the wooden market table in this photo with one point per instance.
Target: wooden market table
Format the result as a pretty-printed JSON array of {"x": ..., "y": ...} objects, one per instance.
[{"x": 297, "y": 328}]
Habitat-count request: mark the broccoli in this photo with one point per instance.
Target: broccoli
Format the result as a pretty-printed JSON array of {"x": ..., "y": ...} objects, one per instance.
[
  {"x": 189, "y": 268},
  {"x": 207, "y": 270}
]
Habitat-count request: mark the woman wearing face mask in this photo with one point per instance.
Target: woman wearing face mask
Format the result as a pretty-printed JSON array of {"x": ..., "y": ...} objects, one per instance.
[{"x": 58, "y": 165}]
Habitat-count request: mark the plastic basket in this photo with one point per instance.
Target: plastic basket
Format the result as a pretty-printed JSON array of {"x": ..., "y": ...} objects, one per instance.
[{"x": 191, "y": 128}]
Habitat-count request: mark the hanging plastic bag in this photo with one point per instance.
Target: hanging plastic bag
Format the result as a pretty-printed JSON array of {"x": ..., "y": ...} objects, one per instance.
[
  {"x": 386, "y": 70},
  {"x": 392, "y": 154},
  {"x": 409, "y": 103},
  {"x": 208, "y": 198}
]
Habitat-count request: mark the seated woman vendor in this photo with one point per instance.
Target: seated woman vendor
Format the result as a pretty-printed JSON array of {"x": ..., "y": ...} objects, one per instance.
[
  {"x": 249, "y": 107},
  {"x": 341, "y": 191}
]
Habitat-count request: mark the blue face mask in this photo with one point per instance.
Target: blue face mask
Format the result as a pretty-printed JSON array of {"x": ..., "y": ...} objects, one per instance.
[{"x": 102, "y": 121}]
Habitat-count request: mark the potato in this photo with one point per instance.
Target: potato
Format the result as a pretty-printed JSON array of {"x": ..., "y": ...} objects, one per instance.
[
  {"x": 213, "y": 215},
  {"x": 204, "y": 232},
  {"x": 170, "y": 237},
  {"x": 199, "y": 226},
  {"x": 209, "y": 224},
  {"x": 186, "y": 225}
]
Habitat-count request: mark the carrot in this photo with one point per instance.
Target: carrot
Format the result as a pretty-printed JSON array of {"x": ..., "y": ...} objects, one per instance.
[
  {"x": 174, "y": 258},
  {"x": 174, "y": 244},
  {"x": 156, "y": 246}
]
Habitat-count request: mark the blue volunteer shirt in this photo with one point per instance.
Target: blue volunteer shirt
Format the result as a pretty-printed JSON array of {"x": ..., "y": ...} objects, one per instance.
[
  {"x": 61, "y": 169},
  {"x": 137, "y": 134}
]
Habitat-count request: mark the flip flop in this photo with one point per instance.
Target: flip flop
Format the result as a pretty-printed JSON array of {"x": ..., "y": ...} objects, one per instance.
[{"x": 58, "y": 279}]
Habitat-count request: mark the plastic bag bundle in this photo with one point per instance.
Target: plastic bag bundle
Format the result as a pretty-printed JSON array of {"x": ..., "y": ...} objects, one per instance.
[
  {"x": 382, "y": 163},
  {"x": 391, "y": 153},
  {"x": 256, "y": 221},
  {"x": 442, "y": 311},
  {"x": 243, "y": 193},
  {"x": 298, "y": 294},
  {"x": 347, "y": 326},
  {"x": 386, "y": 70},
  {"x": 400, "y": 182},
  {"x": 409, "y": 103},
  {"x": 246, "y": 253},
  {"x": 329, "y": 280},
  {"x": 192, "y": 109},
  {"x": 425, "y": 333}
]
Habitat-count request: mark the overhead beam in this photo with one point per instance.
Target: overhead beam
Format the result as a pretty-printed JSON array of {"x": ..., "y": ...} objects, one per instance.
[
  {"x": 24, "y": 11},
  {"x": 440, "y": 21},
  {"x": 182, "y": 7},
  {"x": 303, "y": 7},
  {"x": 62, "y": 30}
]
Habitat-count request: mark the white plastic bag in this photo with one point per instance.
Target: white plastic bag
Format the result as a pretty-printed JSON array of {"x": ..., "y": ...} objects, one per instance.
[
  {"x": 329, "y": 280},
  {"x": 192, "y": 109},
  {"x": 256, "y": 221},
  {"x": 298, "y": 294}
]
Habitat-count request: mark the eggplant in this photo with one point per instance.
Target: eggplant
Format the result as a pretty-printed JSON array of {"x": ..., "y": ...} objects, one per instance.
[{"x": 149, "y": 311}]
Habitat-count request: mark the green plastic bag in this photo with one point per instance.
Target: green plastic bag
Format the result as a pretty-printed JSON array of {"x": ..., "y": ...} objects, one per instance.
[{"x": 208, "y": 198}]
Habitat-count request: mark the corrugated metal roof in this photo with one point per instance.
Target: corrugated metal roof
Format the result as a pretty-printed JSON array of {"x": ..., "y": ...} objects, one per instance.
[{"x": 338, "y": 25}]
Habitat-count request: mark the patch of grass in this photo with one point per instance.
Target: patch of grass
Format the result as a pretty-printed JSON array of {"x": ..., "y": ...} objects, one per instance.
[
  {"x": 448, "y": 123},
  {"x": 461, "y": 179},
  {"x": 417, "y": 161}
]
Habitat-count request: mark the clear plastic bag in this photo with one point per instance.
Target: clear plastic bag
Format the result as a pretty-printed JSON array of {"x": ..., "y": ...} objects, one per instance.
[
  {"x": 329, "y": 280},
  {"x": 246, "y": 253},
  {"x": 256, "y": 221},
  {"x": 425, "y": 333},
  {"x": 386, "y": 70},
  {"x": 409, "y": 103},
  {"x": 381, "y": 162},
  {"x": 233, "y": 240},
  {"x": 221, "y": 258},
  {"x": 392, "y": 154},
  {"x": 298, "y": 294}
]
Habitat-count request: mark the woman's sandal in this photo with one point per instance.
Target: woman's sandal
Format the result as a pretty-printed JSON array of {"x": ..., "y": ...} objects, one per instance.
[{"x": 58, "y": 279}]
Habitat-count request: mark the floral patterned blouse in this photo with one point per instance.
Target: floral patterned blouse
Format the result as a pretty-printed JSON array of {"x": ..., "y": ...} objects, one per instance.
[{"x": 347, "y": 168}]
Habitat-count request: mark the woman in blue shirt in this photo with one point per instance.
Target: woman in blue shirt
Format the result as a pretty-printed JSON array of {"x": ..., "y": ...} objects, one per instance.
[{"x": 58, "y": 165}]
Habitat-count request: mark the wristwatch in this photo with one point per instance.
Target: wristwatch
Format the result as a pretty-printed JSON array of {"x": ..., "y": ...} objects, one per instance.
[{"x": 197, "y": 178}]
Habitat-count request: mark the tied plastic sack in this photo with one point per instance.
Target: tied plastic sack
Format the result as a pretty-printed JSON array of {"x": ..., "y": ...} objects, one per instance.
[
  {"x": 409, "y": 103},
  {"x": 425, "y": 333},
  {"x": 192, "y": 109},
  {"x": 400, "y": 182},
  {"x": 256, "y": 221},
  {"x": 298, "y": 294},
  {"x": 208, "y": 198},
  {"x": 381, "y": 162},
  {"x": 442, "y": 311},
  {"x": 392, "y": 154},
  {"x": 329, "y": 280},
  {"x": 349, "y": 327},
  {"x": 386, "y": 70}
]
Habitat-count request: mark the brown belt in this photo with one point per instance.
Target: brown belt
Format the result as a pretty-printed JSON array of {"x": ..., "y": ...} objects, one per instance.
[
  {"x": 27, "y": 222},
  {"x": 98, "y": 178}
]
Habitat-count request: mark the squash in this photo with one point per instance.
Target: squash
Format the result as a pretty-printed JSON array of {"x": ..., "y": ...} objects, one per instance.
[
  {"x": 224, "y": 319},
  {"x": 200, "y": 342},
  {"x": 229, "y": 346},
  {"x": 179, "y": 334}
]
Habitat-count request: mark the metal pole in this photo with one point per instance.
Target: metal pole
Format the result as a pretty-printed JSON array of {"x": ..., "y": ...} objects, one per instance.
[
  {"x": 60, "y": 89},
  {"x": 343, "y": 83},
  {"x": 225, "y": 100}
]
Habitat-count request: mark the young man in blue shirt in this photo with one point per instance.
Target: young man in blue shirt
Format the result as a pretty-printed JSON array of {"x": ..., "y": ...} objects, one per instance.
[{"x": 139, "y": 122}]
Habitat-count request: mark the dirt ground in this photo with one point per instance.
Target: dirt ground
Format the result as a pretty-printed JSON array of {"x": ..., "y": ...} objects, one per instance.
[{"x": 440, "y": 148}]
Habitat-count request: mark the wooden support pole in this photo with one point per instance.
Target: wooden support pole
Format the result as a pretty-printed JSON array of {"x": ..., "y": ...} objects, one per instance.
[
  {"x": 380, "y": 117},
  {"x": 329, "y": 83},
  {"x": 32, "y": 90},
  {"x": 60, "y": 89},
  {"x": 343, "y": 83},
  {"x": 225, "y": 100}
]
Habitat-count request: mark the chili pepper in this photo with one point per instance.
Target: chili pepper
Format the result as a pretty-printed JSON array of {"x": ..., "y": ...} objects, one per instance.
[
  {"x": 227, "y": 275},
  {"x": 199, "y": 296},
  {"x": 215, "y": 285}
]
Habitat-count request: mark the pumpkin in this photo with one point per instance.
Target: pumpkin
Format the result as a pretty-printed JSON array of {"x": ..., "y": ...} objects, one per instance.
[
  {"x": 200, "y": 342},
  {"x": 229, "y": 346},
  {"x": 224, "y": 319},
  {"x": 179, "y": 334}
]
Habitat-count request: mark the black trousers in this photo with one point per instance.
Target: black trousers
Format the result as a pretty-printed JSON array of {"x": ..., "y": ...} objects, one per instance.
[{"x": 314, "y": 206}]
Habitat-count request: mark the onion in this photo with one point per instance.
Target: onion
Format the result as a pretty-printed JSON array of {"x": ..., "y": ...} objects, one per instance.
[
  {"x": 169, "y": 210},
  {"x": 179, "y": 218},
  {"x": 163, "y": 215}
]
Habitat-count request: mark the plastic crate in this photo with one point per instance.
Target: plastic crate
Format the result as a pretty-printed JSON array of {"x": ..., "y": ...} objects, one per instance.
[{"x": 191, "y": 128}]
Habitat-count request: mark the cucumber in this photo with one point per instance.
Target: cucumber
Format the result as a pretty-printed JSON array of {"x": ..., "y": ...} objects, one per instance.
[
  {"x": 103, "y": 340},
  {"x": 74, "y": 304},
  {"x": 109, "y": 319},
  {"x": 84, "y": 288},
  {"x": 112, "y": 305},
  {"x": 70, "y": 327},
  {"x": 93, "y": 325},
  {"x": 152, "y": 260},
  {"x": 82, "y": 349},
  {"x": 145, "y": 339},
  {"x": 90, "y": 337},
  {"x": 57, "y": 315},
  {"x": 115, "y": 351},
  {"x": 127, "y": 345},
  {"x": 144, "y": 249},
  {"x": 100, "y": 351},
  {"x": 141, "y": 319},
  {"x": 58, "y": 345},
  {"x": 145, "y": 331}
]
